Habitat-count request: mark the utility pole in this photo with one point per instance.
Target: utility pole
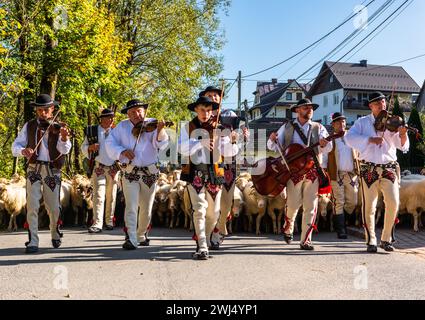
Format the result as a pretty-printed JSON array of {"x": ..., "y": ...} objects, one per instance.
[{"x": 239, "y": 91}]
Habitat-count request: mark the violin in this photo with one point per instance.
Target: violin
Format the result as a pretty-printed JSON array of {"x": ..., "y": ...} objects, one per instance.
[
  {"x": 274, "y": 173},
  {"x": 53, "y": 126},
  {"x": 148, "y": 126},
  {"x": 388, "y": 121}
]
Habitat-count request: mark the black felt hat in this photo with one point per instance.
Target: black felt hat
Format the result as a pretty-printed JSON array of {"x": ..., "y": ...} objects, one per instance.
[
  {"x": 205, "y": 101},
  {"x": 106, "y": 113},
  {"x": 210, "y": 88},
  {"x": 304, "y": 102},
  {"x": 376, "y": 96},
  {"x": 132, "y": 104},
  {"x": 337, "y": 116},
  {"x": 44, "y": 101}
]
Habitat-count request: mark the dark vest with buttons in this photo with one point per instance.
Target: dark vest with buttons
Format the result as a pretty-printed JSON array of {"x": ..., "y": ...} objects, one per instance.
[{"x": 57, "y": 159}]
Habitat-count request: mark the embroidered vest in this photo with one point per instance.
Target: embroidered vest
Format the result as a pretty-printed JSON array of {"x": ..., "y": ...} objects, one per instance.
[
  {"x": 314, "y": 137},
  {"x": 214, "y": 171},
  {"x": 57, "y": 159}
]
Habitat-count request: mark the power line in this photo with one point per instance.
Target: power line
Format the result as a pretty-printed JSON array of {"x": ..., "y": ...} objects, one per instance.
[
  {"x": 373, "y": 31},
  {"x": 380, "y": 31},
  {"x": 302, "y": 58},
  {"x": 311, "y": 45},
  {"x": 350, "y": 38},
  {"x": 347, "y": 40}
]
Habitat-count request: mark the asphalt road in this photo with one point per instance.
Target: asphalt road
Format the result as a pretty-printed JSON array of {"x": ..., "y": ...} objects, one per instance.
[{"x": 248, "y": 267}]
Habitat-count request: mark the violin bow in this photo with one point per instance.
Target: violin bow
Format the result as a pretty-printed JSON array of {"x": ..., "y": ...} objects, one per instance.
[
  {"x": 42, "y": 137},
  {"x": 391, "y": 104},
  {"x": 140, "y": 133}
]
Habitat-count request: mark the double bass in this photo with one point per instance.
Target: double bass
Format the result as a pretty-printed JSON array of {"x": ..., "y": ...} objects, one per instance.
[{"x": 276, "y": 172}]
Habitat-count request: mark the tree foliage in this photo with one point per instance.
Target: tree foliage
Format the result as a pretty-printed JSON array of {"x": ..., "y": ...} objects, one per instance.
[{"x": 93, "y": 54}]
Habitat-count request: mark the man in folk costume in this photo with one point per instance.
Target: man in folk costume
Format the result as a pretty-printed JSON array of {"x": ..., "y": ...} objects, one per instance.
[
  {"x": 229, "y": 120},
  {"x": 105, "y": 173},
  {"x": 45, "y": 145},
  {"x": 344, "y": 179},
  {"x": 379, "y": 170},
  {"x": 302, "y": 190},
  {"x": 204, "y": 172},
  {"x": 137, "y": 150}
]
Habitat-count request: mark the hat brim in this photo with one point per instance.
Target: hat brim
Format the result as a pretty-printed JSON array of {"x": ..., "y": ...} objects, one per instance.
[
  {"x": 193, "y": 106},
  {"x": 202, "y": 93},
  {"x": 378, "y": 98},
  {"x": 339, "y": 118},
  {"x": 44, "y": 105},
  {"x": 315, "y": 106},
  {"x": 143, "y": 105},
  {"x": 107, "y": 115}
]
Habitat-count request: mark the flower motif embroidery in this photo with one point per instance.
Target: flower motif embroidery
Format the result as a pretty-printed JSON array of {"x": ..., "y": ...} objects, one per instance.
[
  {"x": 99, "y": 171},
  {"x": 213, "y": 190}
]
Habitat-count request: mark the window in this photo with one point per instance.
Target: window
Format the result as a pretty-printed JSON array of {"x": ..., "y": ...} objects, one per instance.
[
  {"x": 299, "y": 96},
  {"x": 336, "y": 98},
  {"x": 325, "y": 101},
  {"x": 331, "y": 79},
  {"x": 289, "y": 96}
]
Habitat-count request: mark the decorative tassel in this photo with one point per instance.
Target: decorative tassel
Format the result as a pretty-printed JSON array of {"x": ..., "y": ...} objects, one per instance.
[
  {"x": 195, "y": 237},
  {"x": 26, "y": 225},
  {"x": 325, "y": 190},
  {"x": 216, "y": 230}
]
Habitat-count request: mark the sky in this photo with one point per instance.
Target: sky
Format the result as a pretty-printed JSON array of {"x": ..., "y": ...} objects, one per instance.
[{"x": 261, "y": 33}]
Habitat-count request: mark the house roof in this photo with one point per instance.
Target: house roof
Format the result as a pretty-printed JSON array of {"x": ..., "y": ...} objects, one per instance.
[
  {"x": 271, "y": 99},
  {"x": 355, "y": 76}
]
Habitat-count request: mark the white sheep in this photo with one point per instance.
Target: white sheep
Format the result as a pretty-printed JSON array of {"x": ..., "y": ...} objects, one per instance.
[
  {"x": 276, "y": 206},
  {"x": 81, "y": 197},
  {"x": 14, "y": 198},
  {"x": 255, "y": 204},
  {"x": 412, "y": 200}
]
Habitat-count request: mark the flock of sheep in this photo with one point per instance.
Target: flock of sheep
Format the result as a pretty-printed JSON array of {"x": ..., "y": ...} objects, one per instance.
[{"x": 172, "y": 204}]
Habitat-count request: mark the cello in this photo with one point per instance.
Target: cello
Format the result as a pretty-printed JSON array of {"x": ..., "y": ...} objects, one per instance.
[{"x": 276, "y": 172}]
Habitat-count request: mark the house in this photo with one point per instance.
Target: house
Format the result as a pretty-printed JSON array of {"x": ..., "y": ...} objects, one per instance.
[
  {"x": 345, "y": 87},
  {"x": 272, "y": 104}
]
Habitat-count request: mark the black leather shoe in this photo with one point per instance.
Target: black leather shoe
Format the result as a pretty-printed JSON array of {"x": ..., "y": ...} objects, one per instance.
[
  {"x": 306, "y": 246},
  {"x": 109, "y": 228},
  {"x": 203, "y": 255},
  {"x": 56, "y": 243},
  {"x": 128, "y": 245},
  {"x": 27, "y": 243},
  {"x": 215, "y": 246},
  {"x": 31, "y": 249},
  {"x": 144, "y": 243},
  {"x": 288, "y": 238},
  {"x": 372, "y": 249},
  {"x": 94, "y": 230},
  {"x": 386, "y": 246}
]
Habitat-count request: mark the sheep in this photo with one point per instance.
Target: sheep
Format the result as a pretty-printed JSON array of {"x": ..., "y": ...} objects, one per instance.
[
  {"x": 81, "y": 198},
  {"x": 412, "y": 200},
  {"x": 255, "y": 204},
  {"x": 160, "y": 206},
  {"x": 186, "y": 207},
  {"x": 14, "y": 198},
  {"x": 237, "y": 208},
  {"x": 174, "y": 202},
  {"x": 276, "y": 206}
]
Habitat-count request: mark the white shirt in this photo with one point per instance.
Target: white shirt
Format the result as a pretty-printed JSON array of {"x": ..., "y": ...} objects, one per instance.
[
  {"x": 21, "y": 141},
  {"x": 345, "y": 156},
  {"x": 358, "y": 138},
  {"x": 199, "y": 154},
  {"x": 323, "y": 133},
  {"x": 103, "y": 156},
  {"x": 146, "y": 152}
]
